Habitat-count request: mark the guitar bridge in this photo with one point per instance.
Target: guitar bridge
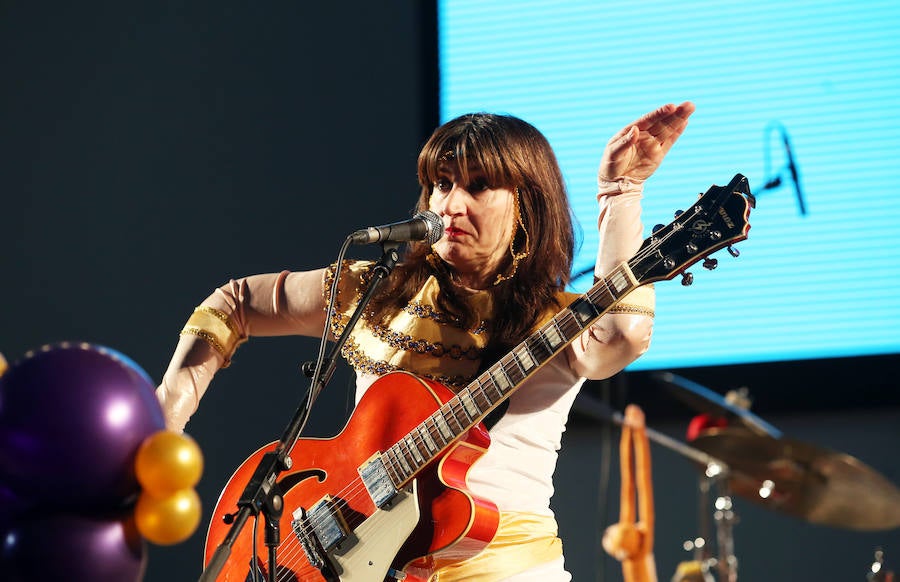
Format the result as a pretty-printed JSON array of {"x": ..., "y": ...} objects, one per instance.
[{"x": 322, "y": 522}]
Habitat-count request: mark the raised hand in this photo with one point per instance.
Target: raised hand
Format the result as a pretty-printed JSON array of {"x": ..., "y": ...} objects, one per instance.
[{"x": 637, "y": 150}]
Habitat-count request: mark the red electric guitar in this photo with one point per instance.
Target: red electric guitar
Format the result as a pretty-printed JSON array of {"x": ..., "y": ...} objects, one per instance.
[{"x": 386, "y": 498}]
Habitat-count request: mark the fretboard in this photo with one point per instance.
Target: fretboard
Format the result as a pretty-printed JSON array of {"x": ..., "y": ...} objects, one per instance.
[{"x": 470, "y": 405}]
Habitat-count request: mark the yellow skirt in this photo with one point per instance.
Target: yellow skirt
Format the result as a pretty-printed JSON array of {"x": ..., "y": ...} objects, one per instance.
[{"x": 522, "y": 541}]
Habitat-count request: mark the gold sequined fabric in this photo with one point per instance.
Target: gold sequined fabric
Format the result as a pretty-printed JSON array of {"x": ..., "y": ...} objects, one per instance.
[{"x": 420, "y": 339}]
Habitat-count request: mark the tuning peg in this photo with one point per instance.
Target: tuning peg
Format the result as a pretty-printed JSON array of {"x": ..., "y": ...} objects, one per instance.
[
  {"x": 733, "y": 251},
  {"x": 687, "y": 278},
  {"x": 657, "y": 228},
  {"x": 710, "y": 263}
]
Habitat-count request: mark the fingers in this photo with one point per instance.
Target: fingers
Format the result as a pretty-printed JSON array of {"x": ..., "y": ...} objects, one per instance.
[
  {"x": 667, "y": 113},
  {"x": 668, "y": 120}
]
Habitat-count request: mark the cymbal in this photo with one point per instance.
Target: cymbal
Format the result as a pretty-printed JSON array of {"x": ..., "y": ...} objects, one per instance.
[
  {"x": 705, "y": 400},
  {"x": 812, "y": 483}
]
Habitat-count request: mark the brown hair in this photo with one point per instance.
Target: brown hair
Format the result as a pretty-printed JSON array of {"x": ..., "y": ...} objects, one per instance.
[{"x": 512, "y": 154}]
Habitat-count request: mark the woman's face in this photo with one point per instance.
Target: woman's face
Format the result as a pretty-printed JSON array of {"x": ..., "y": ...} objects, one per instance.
[{"x": 478, "y": 224}]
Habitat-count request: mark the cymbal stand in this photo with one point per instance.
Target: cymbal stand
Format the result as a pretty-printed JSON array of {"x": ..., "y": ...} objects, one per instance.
[
  {"x": 714, "y": 482},
  {"x": 725, "y": 518}
]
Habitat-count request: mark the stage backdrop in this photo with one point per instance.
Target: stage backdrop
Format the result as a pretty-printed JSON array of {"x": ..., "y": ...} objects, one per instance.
[{"x": 800, "y": 98}]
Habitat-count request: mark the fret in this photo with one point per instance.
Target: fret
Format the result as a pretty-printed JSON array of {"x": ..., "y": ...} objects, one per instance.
[
  {"x": 414, "y": 448},
  {"x": 481, "y": 398},
  {"x": 501, "y": 380},
  {"x": 435, "y": 433},
  {"x": 390, "y": 466},
  {"x": 469, "y": 404},
  {"x": 583, "y": 311},
  {"x": 513, "y": 368},
  {"x": 460, "y": 414},
  {"x": 442, "y": 426},
  {"x": 448, "y": 407},
  {"x": 602, "y": 295},
  {"x": 429, "y": 443},
  {"x": 490, "y": 382},
  {"x": 403, "y": 462},
  {"x": 552, "y": 335},
  {"x": 570, "y": 327},
  {"x": 523, "y": 356},
  {"x": 619, "y": 280},
  {"x": 538, "y": 348}
]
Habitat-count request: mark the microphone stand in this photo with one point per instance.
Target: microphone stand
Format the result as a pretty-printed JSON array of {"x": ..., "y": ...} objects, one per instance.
[{"x": 262, "y": 493}]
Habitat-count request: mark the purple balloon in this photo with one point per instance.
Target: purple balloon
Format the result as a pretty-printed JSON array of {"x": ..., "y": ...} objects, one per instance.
[
  {"x": 73, "y": 548},
  {"x": 72, "y": 417}
]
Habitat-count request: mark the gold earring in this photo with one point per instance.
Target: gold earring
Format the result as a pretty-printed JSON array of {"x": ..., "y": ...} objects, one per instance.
[{"x": 516, "y": 257}]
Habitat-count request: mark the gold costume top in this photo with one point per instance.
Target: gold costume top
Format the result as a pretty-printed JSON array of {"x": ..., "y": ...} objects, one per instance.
[{"x": 419, "y": 339}]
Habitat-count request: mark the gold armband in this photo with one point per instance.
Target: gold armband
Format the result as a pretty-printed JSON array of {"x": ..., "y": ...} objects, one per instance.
[
  {"x": 633, "y": 309},
  {"x": 216, "y": 329},
  {"x": 640, "y": 301}
]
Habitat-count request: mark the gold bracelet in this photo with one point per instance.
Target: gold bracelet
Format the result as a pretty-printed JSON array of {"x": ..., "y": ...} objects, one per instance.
[
  {"x": 640, "y": 301},
  {"x": 632, "y": 309},
  {"x": 215, "y": 328}
]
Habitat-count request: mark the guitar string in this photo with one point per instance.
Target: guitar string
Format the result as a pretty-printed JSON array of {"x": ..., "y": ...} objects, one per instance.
[{"x": 455, "y": 406}]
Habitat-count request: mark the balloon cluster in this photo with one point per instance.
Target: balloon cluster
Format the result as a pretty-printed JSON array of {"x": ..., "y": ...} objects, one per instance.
[{"x": 87, "y": 470}]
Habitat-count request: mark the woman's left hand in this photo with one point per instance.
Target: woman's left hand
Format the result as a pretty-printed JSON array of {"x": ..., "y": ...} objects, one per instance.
[{"x": 637, "y": 150}]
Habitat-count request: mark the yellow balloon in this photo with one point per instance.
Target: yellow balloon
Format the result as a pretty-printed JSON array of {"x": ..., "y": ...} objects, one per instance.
[
  {"x": 167, "y": 462},
  {"x": 167, "y": 520}
]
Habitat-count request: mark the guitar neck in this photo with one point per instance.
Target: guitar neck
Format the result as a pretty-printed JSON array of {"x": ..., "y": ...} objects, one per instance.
[
  {"x": 497, "y": 383},
  {"x": 717, "y": 219}
]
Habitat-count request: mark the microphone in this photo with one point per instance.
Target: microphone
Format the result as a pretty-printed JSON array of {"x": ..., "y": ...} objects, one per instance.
[
  {"x": 424, "y": 225},
  {"x": 792, "y": 168}
]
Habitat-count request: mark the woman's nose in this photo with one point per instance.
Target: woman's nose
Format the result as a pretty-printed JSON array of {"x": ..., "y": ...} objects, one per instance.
[{"x": 454, "y": 202}]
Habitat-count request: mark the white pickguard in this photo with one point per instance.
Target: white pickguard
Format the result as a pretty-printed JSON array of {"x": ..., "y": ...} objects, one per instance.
[{"x": 367, "y": 553}]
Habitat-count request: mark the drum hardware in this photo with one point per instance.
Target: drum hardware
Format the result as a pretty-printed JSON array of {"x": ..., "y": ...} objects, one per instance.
[
  {"x": 812, "y": 483},
  {"x": 733, "y": 407},
  {"x": 878, "y": 571}
]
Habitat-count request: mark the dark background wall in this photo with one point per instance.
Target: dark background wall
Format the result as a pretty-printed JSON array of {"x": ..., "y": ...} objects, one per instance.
[{"x": 150, "y": 151}]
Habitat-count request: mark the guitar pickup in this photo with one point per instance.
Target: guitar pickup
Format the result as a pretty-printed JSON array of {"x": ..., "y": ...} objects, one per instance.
[
  {"x": 377, "y": 481},
  {"x": 325, "y": 522}
]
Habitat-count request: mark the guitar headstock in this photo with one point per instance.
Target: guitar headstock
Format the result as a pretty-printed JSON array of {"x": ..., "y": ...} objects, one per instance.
[{"x": 718, "y": 219}]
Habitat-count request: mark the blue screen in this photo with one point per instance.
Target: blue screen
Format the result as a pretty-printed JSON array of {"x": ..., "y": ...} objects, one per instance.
[{"x": 818, "y": 276}]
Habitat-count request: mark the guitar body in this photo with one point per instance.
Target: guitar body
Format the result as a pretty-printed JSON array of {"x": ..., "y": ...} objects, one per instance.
[{"x": 431, "y": 523}]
